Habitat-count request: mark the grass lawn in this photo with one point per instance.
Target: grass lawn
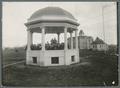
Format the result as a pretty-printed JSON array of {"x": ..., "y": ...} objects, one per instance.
[
  {"x": 102, "y": 70},
  {"x": 12, "y": 55}
]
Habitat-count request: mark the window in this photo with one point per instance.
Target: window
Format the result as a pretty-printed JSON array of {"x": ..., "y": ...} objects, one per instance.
[
  {"x": 54, "y": 60},
  {"x": 94, "y": 46},
  {"x": 100, "y": 46},
  {"x": 34, "y": 59},
  {"x": 72, "y": 58}
]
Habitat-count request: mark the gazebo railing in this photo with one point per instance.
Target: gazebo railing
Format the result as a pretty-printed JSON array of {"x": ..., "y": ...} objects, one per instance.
[
  {"x": 57, "y": 46},
  {"x": 36, "y": 47}
]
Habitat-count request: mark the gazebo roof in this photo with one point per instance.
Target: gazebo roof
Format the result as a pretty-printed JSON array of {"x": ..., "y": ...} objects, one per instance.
[{"x": 52, "y": 14}]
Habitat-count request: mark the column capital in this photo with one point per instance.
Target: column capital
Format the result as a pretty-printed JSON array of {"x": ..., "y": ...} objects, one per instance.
[
  {"x": 65, "y": 27},
  {"x": 28, "y": 29},
  {"x": 42, "y": 27}
]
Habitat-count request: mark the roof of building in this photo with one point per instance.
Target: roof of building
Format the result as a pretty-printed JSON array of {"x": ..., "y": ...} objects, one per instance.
[
  {"x": 52, "y": 13},
  {"x": 81, "y": 33},
  {"x": 98, "y": 41}
]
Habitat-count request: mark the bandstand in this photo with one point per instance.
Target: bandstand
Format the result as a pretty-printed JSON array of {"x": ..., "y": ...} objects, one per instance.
[{"x": 52, "y": 20}]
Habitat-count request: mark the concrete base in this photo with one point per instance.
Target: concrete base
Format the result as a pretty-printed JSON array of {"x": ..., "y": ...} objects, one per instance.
[{"x": 44, "y": 58}]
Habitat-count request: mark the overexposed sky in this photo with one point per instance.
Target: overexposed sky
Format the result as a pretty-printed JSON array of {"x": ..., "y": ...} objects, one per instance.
[{"x": 88, "y": 14}]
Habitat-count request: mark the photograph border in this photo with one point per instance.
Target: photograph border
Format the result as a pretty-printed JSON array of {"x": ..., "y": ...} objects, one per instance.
[{"x": 118, "y": 38}]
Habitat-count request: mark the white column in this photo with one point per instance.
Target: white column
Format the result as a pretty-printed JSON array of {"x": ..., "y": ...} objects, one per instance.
[
  {"x": 43, "y": 39},
  {"x": 71, "y": 40},
  {"x": 29, "y": 39},
  {"x": 76, "y": 45},
  {"x": 65, "y": 46},
  {"x": 58, "y": 34},
  {"x": 76, "y": 39},
  {"x": 65, "y": 39}
]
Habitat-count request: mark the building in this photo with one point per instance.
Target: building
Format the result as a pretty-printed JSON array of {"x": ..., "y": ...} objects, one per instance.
[
  {"x": 87, "y": 42},
  {"x": 52, "y": 20},
  {"x": 99, "y": 45},
  {"x": 84, "y": 42}
]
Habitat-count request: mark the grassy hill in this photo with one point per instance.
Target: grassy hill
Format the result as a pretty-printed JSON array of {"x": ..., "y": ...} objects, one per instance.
[
  {"x": 11, "y": 55},
  {"x": 102, "y": 70}
]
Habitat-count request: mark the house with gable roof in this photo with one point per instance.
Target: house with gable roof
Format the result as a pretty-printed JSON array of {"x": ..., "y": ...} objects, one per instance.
[{"x": 99, "y": 45}]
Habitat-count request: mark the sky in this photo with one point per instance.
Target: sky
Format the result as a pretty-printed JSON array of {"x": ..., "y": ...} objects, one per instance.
[{"x": 88, "y": 15}]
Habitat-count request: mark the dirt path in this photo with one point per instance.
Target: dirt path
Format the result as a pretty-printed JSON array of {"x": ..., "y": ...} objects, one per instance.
[{"x": 13, "y": 63}]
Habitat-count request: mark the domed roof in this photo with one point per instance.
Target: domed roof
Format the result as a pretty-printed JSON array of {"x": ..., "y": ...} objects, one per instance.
[{"x": 51, "y": 13}]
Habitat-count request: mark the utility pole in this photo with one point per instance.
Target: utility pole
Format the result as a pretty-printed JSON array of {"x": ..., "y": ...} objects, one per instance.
[
  {"x": 103, "y": 20},
  {"x": 103, "y": 23}
]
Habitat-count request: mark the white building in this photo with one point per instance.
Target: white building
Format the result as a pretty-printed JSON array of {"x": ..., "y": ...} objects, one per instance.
[
  {"x": 99, "y": 45},
  {"x": 52, "y": 20},
  {"x": 84, "y": 42}
]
